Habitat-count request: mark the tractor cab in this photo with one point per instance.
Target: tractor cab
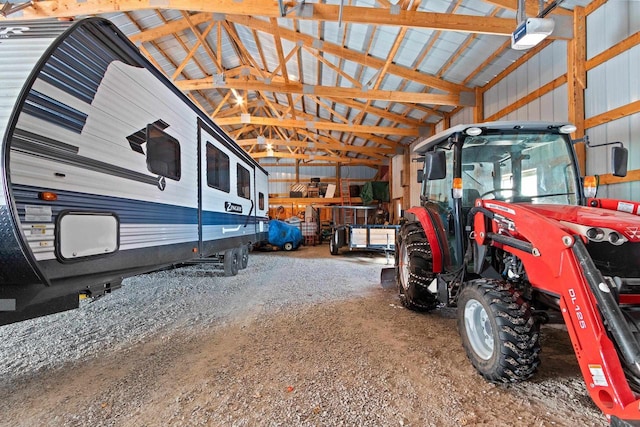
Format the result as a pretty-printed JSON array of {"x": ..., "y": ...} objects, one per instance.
[{"x": 511, "y": 163}]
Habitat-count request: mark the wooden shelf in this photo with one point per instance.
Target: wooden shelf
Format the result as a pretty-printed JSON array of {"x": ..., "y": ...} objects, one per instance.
[{"x": 282, "y": 201}]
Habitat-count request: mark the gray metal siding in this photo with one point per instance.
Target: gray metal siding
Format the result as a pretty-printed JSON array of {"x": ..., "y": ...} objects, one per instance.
[
  {"x": 610, "y": 85},
  {"x": 541, "y": 69}
]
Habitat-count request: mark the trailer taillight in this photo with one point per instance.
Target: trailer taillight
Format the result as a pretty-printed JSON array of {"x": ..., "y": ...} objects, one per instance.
[
  {"x": 590, "y": 186},
  {"x": 48, "y": 196},
  {"x": 457, "y": 188}
]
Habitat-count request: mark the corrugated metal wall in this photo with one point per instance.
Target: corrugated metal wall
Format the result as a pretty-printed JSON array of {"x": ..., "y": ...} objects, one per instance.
[
  {"x": 610, "y": 85},
  {"x": 543, "y": 68}
]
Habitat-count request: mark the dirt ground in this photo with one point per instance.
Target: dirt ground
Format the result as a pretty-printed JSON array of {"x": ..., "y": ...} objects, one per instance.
[{"x": 360, "y": 361}]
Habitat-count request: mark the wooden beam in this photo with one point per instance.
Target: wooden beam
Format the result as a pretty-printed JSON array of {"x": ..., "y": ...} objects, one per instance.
[
  {"x": 336, "y": 145},
  {"x": 511, "y": 68},
  {"x": 382, "y": 113},
  {"x": 324, "y": 125},
  {"x": 606, "y": 179},
  {"x": 192, "y": 51},
  {"x": 577, "y": 80},
  {"x": 531, "y": 7},
  {"x": 320, "y": 158},
  {"x": 615, "y": 50},
  {"x": 611, "y": 115},
  {"x": 309, "y": 42},
  {"x": 348, "y": 54},
  {"x": 324, "y": 91},
  {"x": 311, "y": 11}
]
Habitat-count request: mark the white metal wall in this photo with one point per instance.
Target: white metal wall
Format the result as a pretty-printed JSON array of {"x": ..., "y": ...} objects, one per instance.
[
  {"x": 610, "y": 85},
  {"x": 463, "y": 116},
  {"x": 541, "y": 69}
]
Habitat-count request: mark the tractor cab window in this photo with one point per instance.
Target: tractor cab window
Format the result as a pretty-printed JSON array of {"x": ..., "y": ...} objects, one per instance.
[{"x": 519, "y": 167}]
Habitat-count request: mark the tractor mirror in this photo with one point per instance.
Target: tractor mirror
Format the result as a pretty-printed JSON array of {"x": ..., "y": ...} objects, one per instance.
[
  {"x": 619, "y": 156},
  {"x": 435, "y": 165}
]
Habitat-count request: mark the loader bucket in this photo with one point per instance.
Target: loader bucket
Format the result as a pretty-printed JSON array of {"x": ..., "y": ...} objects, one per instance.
[{"x": 388, "y": 278}]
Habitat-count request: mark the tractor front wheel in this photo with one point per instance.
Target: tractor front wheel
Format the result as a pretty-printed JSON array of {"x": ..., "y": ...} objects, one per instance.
[
  {"x": 499, "y": 332},
  {"x": 414, "y": 268}
]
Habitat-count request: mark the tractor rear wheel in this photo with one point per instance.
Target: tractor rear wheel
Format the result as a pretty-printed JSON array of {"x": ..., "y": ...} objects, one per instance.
[
  {"x": 414, "y": 268},
  {"x": 499, "y": 332}
]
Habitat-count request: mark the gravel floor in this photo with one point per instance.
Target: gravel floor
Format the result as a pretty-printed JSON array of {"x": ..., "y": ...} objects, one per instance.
[
  {"x": 299, "y": 338},
  {"x": 173, "y": 301}
]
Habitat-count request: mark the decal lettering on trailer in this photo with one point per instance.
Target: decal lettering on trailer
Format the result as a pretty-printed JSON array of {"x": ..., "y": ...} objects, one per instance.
[
  {"x": 6, "y": 32},
  {"x": 577, "y": 310},
  {"x": 232, "y": 207}
]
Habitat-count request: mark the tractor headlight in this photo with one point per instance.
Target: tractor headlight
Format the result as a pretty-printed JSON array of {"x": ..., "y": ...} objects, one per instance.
[
  {"x": 616, "y": 238},
  {"x": 596, "y": 234}
]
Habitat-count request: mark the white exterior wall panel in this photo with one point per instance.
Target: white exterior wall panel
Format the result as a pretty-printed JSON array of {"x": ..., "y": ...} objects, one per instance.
[
  {"x": 611, "y": 85},
  {"x": 463, "y": 116},
  {"x": 541, "y": 69}
]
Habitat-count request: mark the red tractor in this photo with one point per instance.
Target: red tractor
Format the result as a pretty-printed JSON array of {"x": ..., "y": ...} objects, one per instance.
[{"x": 510, "y": 234}]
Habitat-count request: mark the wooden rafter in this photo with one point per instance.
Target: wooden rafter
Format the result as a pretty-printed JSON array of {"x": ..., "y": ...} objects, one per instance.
[
  {"x": 312, "y": 11},
  {"x": 335, "y": 92},
  {"x": 360, "y": 122},
  {"x": 320, "y": 124}
]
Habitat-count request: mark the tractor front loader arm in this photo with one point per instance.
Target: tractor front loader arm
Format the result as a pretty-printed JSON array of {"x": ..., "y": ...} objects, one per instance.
[{"x": 557, "y": 262}]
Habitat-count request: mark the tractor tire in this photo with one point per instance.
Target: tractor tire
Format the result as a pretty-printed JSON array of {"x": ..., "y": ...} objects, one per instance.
[
  {"x": 231, "y": 261},
  {"x": 414, "y": 268},
  {"x": 499, "y": 332},
  {"x": 333, "y": 243},
  {"x": 244, "y": 257}
]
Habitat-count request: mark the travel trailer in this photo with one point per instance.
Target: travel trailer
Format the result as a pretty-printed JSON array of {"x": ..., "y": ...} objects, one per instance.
[{"x": 107, "y": 170}]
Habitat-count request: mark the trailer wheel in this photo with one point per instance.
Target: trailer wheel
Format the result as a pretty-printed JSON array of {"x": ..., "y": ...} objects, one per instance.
[
  {"x": 499, "y": 332},
  {"x": 333, "y": 243},
  {"x": 288, "y": 246},
  {"x": 414, "y": 268},
  {"x": 244, "y": 257},
  {"x": 231, "y": 261}
]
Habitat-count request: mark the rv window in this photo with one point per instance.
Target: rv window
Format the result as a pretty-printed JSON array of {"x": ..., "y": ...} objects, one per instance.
[
  {"x": 163, "y": 153},
  {"x": 217, "y": 169},
  {"x": 244, "y": 183},
  {"x": 261, "y": 201}
]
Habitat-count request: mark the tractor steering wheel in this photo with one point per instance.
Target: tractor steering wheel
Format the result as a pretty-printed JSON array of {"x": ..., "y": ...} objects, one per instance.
[{"x": 495, "y": 192}]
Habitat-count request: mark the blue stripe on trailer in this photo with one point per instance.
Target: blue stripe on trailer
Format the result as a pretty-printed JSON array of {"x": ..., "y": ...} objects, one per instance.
[{"x": 129, "y": 211}]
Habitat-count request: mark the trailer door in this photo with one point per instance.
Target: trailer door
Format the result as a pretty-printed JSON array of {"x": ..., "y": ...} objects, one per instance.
[{"x": 226, "y": 193}]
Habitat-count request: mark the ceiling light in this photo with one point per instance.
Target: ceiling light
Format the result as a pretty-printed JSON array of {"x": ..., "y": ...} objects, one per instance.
[{"x": 531, "y": 32}]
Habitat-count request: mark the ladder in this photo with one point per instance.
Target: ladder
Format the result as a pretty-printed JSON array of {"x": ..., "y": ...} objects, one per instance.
[{"x": 345, "y": 194}]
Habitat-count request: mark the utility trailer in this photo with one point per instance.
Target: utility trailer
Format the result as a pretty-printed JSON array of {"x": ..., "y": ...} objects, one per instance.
[
  {"x": 511, "y": 234},
  {"x": 355, "y": 232},
  {"x": 107, "y": 170}
]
